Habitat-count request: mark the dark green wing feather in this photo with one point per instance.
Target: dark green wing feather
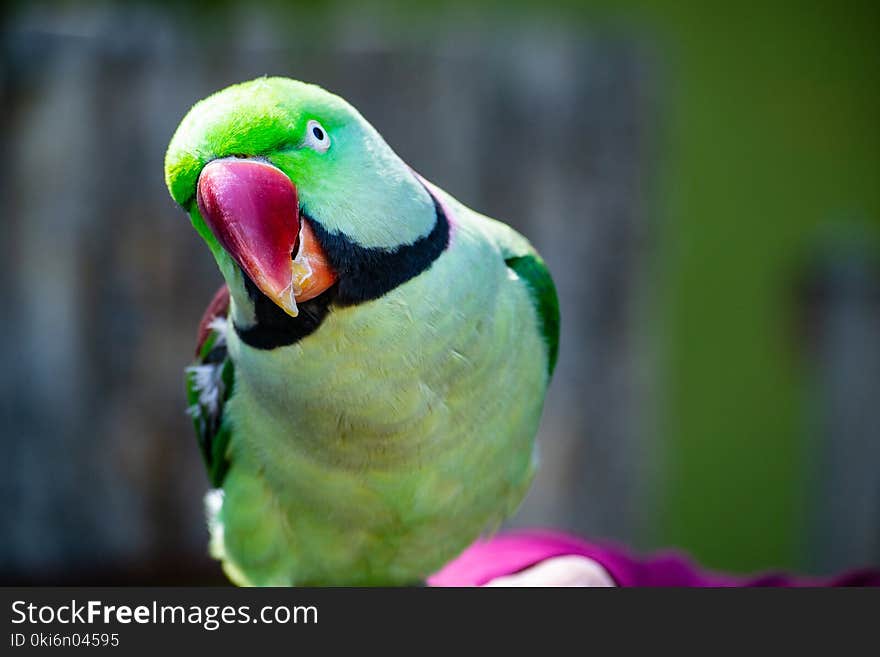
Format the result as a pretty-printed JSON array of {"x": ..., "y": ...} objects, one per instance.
[
  {"x": 521, "y": 258},
  {"x": 531, "y": 269},
  {"x": 210, "y": 383}
]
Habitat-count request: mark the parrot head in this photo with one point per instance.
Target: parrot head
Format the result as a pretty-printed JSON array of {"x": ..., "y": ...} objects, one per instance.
[{"x": 300, "y": 200}]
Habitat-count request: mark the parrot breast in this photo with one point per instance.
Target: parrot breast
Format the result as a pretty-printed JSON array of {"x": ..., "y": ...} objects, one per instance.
[{"x": 377, "y": 448}]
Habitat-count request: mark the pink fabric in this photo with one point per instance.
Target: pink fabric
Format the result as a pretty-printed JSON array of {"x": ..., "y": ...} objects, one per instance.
[{"x": 510, "y": 553}]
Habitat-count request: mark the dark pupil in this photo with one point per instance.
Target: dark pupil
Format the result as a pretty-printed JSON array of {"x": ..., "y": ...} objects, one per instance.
[{"x": 319, "y": 134}]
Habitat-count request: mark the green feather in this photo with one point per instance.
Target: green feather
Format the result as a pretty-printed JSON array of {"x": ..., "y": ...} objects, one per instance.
[
  {"x": 212, "y": 427},
  {"x": 533, "y": 271}
]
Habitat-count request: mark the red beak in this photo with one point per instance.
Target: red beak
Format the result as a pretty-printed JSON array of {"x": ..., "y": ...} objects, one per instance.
[{"x": 253, "y": 211}]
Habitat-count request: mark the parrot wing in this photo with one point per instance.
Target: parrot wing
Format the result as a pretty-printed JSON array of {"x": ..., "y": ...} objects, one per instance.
[
  {"x": 534, "y": 273},
  {"x": 210, "y": 382},
  {"x": 521, "y": 258}
]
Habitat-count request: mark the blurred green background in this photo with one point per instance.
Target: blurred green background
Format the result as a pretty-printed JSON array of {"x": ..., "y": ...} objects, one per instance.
[
  {"x": 772, "y": 165},
  {"x": 704, "y": 183}
]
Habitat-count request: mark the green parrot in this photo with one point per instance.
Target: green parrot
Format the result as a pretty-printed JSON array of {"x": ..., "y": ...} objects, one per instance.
[{"x": 370, "y": 379}]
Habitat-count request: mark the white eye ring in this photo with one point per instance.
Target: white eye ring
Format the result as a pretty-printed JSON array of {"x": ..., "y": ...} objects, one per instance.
[{"x": 316, "y": 137}]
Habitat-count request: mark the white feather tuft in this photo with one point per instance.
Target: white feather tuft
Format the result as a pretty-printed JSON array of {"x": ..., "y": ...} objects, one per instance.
[
  {"x": 208, "y": 382},
  {"x": 213, "y": 506},
  {"x": 218, "y": 325}
]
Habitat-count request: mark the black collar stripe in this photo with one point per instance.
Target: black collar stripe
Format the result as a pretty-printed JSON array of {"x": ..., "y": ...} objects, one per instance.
[{"x": 365, "y": 273}]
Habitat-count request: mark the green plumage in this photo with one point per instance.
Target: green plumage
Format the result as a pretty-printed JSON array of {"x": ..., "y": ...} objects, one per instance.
[
  {"x": 533, "y": 271},
  {"x": 375, "y": 449},
  {"x": 212, "y": 428}
]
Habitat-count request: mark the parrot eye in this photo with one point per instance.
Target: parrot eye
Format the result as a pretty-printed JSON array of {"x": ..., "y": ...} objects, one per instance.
[{"x": 316, "y": 137}]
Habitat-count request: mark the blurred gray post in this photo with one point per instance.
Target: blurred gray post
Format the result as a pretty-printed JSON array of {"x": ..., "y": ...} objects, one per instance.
[{"x": 844, "y": 325}]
